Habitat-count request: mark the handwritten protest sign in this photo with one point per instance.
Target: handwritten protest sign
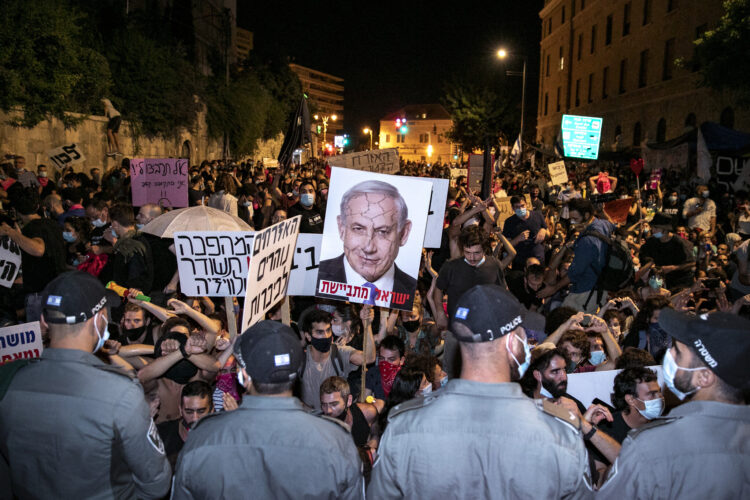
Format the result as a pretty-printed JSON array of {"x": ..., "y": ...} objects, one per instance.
[
  {"x": 66, "y": 155},
  {"x": 675, "y": 158},
  {"x": 586, "y": 387},
  {"x": 436, "y": 216},
  {"x": 20, "y": 342},
  {"x": 558, "y": 173},
  {"x": 268, "y": 272},
  {"x": 213, "y": 263},
  {"x": 270, "y": 162},
  {"x": 505, "y": 209},
  {"x": 160, "y": 181},
  {"x": 383, "y": 161},
  {"x": 458, "y": 172},
  {"x": 304, "y": 272},
  {"x": 618, "y": 210},
  {"x": 10, "y": 261}
]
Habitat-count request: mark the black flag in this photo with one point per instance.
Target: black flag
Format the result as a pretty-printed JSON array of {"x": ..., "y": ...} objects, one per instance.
[{"x": 297, "y": 135}]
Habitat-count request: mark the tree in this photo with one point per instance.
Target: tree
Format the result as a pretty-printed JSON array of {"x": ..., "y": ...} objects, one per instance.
[
  {"x": 479, "y": 114},
  {"x": 44, "y": 68},
  {"x": 722, "y": 53}
]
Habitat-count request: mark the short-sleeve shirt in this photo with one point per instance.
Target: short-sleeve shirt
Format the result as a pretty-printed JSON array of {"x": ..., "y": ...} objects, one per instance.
[
  {"x": 703, "y": 219},
  {"x": 38, "y": 271},
  {"x": 741, "y": 254},
  {"x": 514, "y": 226},
  {"x": 315, "y": 373},
  {"x": 456, "y": 277},
  {"x": 674, "y": 252}
]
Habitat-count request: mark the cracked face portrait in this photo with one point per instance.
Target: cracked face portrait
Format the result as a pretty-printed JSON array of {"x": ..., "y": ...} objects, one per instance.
[{"x": 373, "y": 225}]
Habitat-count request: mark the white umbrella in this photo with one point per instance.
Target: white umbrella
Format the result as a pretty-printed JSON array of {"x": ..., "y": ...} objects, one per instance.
[{"x": 200, "y": 218}]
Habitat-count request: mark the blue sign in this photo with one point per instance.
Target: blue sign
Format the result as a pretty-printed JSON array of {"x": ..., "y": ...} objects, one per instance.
[{"x": 581, "y": 136}]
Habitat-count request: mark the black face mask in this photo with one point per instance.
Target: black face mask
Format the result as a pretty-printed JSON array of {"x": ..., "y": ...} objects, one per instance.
[
  {"x": 342, "y": 417},
  {"x": 134, "y": 333},
  {"x": 411, "y": 325},
  {"x": 322, "y": 345}
]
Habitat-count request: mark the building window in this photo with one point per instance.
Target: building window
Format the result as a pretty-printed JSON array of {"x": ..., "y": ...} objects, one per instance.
[
  {"x": 727, "y": 118},
  {"x": 562, "y": 59},
  {"x": 580, "y": 46},
  {"x": 546, "y": 103},
  {"x": 593, "y": 39},
  {"x": 690, "y": 120},
  {"x": 591, "y": 88},
  {"x": 637, "y": 134},
  {"x": 578, "y": 92},
  {"x": 626, "y": 20},
  {"x": 623, "y": 74},
  {"x": 440, "y": 138},
  {"x": 573, "y": 8},
  {"x": 643, "y": 69},
  {"x": 605, "y": 81},
  {"x": 661, "y": 130},
  {"x": 671, "y": 5},
  {"x": 563, "y": 15},
  {"x": 387, "y": 138},
  {"x": 668, "y": 59},
  {"x": 646, "y": 12},
  {"x": 547, "y": 72},
  {"x": 608, "y": 31},
  {"x": 559, "y": 89}
]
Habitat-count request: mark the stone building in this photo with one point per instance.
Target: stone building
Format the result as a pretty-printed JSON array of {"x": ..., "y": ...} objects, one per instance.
[
  {"x": 615, "y": 59},
  {"x": 419, "y": 131}
]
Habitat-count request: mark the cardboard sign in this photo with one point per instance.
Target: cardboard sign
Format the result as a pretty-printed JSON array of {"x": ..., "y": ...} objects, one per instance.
[
  {"x": 10, "y": 261},
  {"x": 383, "y": 161},
  {"x": 618, "y": 210},
  {"x": 558, "y": 173},
  {"x": 586, "y": 387},
  {"x": 67, "y": 155},
  {"x": 213, "y": 263},
  {"x": 270, "y": 162},
  {"x": 268, "y": 272},
  {"x": 458, "y": 172},
  {"x": 304, "y": 272},
  {"x": 436, "y": 216},
  {"x": 160, "y": 181},
  {"x": 370, "y": 254},
  {"x": 20, "y": 342}
]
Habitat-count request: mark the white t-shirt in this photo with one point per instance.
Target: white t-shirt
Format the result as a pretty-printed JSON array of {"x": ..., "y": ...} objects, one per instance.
[
  {"x": 741, "y": 254},
  {"x": 703, "y": 219}
]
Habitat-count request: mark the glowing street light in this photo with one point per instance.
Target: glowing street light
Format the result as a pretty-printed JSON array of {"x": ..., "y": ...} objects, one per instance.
[
  {"x": 368, "y": 130},
  {"x": 503, "y": 54},
  {"x": 325, "y": 119}
]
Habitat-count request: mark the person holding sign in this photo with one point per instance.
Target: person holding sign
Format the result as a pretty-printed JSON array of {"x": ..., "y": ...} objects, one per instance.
[{"x": 373, "y": 225}]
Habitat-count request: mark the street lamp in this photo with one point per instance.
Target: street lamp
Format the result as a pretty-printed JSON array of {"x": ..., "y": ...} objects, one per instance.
[
  {"x": 368, "y": 130},
  {"x": 325, "y": 118},
  {"x": 503, "y": 54}
]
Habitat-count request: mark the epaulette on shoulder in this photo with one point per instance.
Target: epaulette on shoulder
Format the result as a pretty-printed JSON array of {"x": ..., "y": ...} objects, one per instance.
[
  {"x": 657, "y": 422},
  {"x": 559, "y": 413},
  {"x": 413, "y": 404}
]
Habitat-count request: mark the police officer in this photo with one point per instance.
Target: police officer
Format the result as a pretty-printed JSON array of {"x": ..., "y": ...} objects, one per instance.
[
  {"x": 701, "y": 449},
  {"x": 479, "y": 436},
  {"x": 270, "y": 447},
  {"x": 72, "y": 426}
]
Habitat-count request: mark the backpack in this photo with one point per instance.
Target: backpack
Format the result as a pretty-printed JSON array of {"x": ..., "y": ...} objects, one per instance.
[
  {"x": 338, "y": 363},
  {"x": 618, "y": 271}
]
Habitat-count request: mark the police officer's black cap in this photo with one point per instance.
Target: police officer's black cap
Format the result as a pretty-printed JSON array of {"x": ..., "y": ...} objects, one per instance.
[
  {"x": 489, "y": 311},
  {"x": 75, "y": 297},
  {"x": 270, "y": 352},
  {"x": 720, "y": 340}
]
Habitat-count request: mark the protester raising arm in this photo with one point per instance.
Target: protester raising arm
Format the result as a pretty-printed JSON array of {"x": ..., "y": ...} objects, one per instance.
[
  {"x": 194, "y": 349},
  {"x": 610, "y": 344},
  {"x": 210, "y": 327},
  {"x": 508, "y": 246}
]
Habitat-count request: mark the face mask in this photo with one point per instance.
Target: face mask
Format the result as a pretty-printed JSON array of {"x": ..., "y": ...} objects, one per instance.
[
  {"x": 444, "y": 381},
  {"x": 321, "y": 345},
  {"x": 427, "y": 390},
  {"x": 103, "y": 337},
  {"x": 655, "y": 283},
  {"x": 240, "y": 377},
  {"x": 307, "y": 199},
  {"x": 520, "y": 212},
  {"x": 42, "y": 174},
  {"x": 246, "y": 203},
  {"x": 654, "y": 407},
  {"x": 388, "y": 373},
  {"x": 527, "y": 355},
  {"x": 669, "y": 369},
  {"x": 134, "y": 333},
  {"x": 479, "y": 264},
  {"x": 658, "y": 235},
  {"x": 544, "y": 392},
  {"x": 139, "y": 226},
  {"x": 68, "y": 236},
  {"x": 98, "y": 223},
  {"x": 570, "y": 367},
  {"x": 338, "y": 330},
  {"x": 597, "y": 357},
  {"x": 411, "y": 325},
  {"x": 112, "y": 231},
  {"x": 705, "y": 193},
  {"x": 673, "y": 199}
]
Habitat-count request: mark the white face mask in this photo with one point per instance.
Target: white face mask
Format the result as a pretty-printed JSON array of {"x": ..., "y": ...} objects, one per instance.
[
  {"x": 527, "y": 355},
  {"x": 597, "y": 357},
  {"x": 103, "y": 337},
  {"x": 427, "y": 390},
  {"x": 654, "y": 407},
  {"x": 669, "y": 369},
  {"x": 544, "y": 392},
  {"x": 338, "y": 330},
  {"x": 98, "y": 223}
]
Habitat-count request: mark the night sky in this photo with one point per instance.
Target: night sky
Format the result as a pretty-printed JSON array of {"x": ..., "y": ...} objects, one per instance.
[{"x": 393, "y": 56}]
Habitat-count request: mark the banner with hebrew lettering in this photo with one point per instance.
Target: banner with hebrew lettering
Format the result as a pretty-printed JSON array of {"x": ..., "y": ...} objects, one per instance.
[
  {"x": 372, "y": 238},
  {"x": 20, "y": 342},
  {"x": 10, "y": 261},
  {"x": 268, "y": 272},
  {"x": 304, "y": 271},
  {"x": 557, "y": 173},
  {"x": 213, "y": 263},
  {"x": 163, "y": 181},
  {"x": 67, "y": 155},
  {"x": 383, "y": 161}
]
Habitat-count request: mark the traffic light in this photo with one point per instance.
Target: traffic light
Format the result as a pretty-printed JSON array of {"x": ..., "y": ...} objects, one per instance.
[
  {"x": 401, "y": 125},
  {"x": 320, "y": 129},
  {"x": 346, "y": 140}
]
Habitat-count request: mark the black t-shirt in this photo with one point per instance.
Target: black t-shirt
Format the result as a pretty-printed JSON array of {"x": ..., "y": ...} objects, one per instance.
[
  {"x": 514, "y": 226},
  {"x": 456, "y": 277},
  {"x": 312, "y": 221},
  {"x": 195, "y": 196},
  {"x": 617, "y": 428},
  {"x": 674, "y": 252},
  {"x": 169, "y": 432},
  {"x": 165, "y": 262},
  {"x": 38, "y": 271},
  {"x": 526, "y": 296}
]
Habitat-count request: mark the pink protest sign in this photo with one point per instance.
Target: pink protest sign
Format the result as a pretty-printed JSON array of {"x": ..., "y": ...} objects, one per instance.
[{"x": 159, "y": 180}]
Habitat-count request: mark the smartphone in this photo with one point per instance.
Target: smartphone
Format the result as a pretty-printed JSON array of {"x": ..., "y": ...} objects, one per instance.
[
  {"x": 711, "y": 282},
  {"x": 586, "y": 321}
]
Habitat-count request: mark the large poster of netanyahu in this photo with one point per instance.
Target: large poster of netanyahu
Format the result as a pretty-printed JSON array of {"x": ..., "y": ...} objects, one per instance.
[{"x": 372, "y": 238}]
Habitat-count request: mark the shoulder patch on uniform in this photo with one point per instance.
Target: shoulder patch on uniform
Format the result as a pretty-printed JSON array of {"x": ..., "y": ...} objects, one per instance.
[
  {"x": 657, "y": 422},
  {"x": 154, "y": 438},
  {"x": 559, "y": 413},
  {"x": 336, "y": 421},
  {"x": 413, "y": 404}
]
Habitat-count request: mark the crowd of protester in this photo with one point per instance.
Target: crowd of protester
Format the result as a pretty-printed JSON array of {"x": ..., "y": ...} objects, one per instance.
[{"x": 684, "y": 248}]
